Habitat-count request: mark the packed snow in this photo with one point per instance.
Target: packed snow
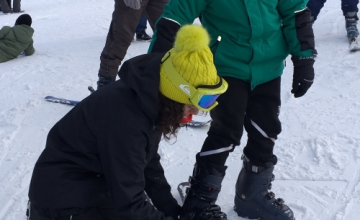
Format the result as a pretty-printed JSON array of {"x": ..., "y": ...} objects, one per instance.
[{"x": 318, "y": 173}]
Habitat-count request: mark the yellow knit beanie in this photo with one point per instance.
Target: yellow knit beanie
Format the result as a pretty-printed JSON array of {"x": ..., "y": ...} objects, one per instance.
[{"x": 192, "y": 59}]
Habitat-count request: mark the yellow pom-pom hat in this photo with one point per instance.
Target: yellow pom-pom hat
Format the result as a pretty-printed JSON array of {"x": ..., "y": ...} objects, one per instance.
[{"x": 188, "y": 68}]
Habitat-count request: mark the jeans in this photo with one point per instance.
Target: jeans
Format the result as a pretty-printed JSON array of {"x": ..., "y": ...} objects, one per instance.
[
  {"x": 346, "y": 5},
  {"x": 142, "y": 24}
]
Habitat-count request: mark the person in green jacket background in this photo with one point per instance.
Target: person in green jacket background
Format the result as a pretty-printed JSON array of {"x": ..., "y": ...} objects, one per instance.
[
  {"x": 250, "y": 39},
  {"x": 17, "y": 39}
]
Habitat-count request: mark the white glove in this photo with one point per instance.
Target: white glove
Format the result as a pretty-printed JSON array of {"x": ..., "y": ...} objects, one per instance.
[{"x": 135, "y": 4}]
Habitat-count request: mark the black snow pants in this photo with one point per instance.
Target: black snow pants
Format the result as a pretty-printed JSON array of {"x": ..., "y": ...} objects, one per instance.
[{"x": 257, "y": 110}]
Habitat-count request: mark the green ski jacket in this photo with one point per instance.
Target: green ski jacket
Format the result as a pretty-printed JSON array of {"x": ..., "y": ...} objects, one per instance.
[
  {"x": 14, "y": 40},
  {"x": 256, "y": 35}
]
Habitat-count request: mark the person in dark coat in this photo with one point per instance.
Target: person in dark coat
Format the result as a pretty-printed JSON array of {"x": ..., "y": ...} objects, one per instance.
[
  {"x": 101, "y": 158},
  {"x": 17, "y": 39}
]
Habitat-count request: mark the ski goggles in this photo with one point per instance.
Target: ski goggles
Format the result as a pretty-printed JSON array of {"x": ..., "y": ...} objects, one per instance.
[{"x": 204, "y": 96}]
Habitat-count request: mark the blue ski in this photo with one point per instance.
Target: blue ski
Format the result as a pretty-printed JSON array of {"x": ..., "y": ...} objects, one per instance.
[
  {"x": 198, "y": 124},
  {"x": 61, "y": 100},
  {"x": 193, "y": 124}
]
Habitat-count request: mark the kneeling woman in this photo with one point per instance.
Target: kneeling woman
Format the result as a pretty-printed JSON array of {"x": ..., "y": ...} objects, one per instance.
[{"x": 101, "y": 158}]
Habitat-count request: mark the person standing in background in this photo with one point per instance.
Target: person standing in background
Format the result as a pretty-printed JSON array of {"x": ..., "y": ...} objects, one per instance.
[
  {"x": 6, "y": 6},
  {"x": 140, "y": 30},
  {"x": 349, "y": 9},
  {"x": 8, "y": 2},
  {"x": 125, "y": 18}
]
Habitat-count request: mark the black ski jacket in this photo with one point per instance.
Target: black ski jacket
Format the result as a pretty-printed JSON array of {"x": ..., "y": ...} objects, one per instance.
[{"x": 108, "y": 144}]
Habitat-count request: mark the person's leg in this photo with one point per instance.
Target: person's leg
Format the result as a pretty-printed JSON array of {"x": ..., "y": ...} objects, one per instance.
[
  {"x": 349, "y": 6},
  {"x": 315, "y": 6},
  {"x": 253, "y": 199},
  {"x": 224, "y": 134},
  {"x": 17, "y": 6},
  {"x": 141, "y": 34},
  {"x": 121, "y": 33},
  {"x": 5, "y": 7},
  {"x": 154, "y": 10},
  {"x": 350, "y": 9},
  {"x": 261, "y": 121},
  {"x": 227, "y": 125},
  {"x": 142, "y": 24}
]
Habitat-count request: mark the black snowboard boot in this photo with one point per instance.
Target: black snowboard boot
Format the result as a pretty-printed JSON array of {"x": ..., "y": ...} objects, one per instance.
[
  {"x": 205, "y": 185},
  {"x": 253, "y": 200}
]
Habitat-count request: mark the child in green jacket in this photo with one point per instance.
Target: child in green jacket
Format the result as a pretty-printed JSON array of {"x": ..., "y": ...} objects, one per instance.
[{"x": 15, "y": 40}]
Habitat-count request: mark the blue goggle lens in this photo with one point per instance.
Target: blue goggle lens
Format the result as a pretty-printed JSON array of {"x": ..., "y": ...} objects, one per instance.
[{"x": 207, "y": 100}]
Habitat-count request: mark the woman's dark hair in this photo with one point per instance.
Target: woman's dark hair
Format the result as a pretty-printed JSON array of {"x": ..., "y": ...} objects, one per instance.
[{"x": 170, "y": 115}]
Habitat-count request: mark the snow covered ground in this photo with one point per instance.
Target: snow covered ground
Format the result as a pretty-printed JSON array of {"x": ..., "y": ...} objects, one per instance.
[{"x": 318, "y": 173}]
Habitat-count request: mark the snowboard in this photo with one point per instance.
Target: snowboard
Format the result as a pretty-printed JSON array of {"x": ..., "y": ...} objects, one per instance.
[{"x": 192, "y": 124}]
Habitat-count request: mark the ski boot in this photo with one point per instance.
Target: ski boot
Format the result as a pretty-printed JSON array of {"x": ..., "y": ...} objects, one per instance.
[
  {"x": 253, "y": 200},
  {"x": 205, "y": 185},
  {"x": 351, "y": 19},
  {"x": 103, "y": 81}
]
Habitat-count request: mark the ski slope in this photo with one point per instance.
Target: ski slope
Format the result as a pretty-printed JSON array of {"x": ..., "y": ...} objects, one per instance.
[{"x": 318, "y": 173}]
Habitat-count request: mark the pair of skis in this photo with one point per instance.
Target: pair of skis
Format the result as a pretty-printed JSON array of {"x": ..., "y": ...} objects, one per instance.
[{"x": 193, "y": 124}]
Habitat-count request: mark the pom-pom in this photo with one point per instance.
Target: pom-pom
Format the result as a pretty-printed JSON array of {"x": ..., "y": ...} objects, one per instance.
[{"x": 191, "y": 38}]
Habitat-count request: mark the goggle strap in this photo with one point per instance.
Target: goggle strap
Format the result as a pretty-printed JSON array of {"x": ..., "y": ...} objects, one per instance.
[{"x": 218, "y": 85}]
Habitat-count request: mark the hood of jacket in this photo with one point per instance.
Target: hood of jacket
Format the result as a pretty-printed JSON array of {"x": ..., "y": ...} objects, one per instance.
[
  {"x": 23, "y": 33},
  {"x": 142, "y": 74}
]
